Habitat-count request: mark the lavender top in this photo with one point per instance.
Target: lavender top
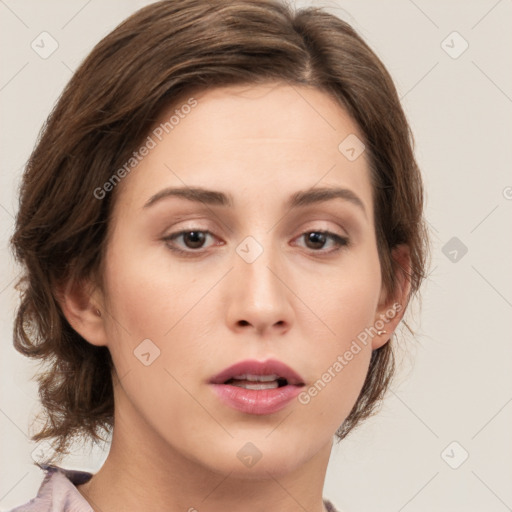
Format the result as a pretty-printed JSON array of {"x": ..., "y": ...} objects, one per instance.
[{"x": 59, "y": 494}]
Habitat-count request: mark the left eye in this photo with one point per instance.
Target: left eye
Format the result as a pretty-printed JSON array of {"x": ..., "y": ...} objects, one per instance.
[{"x": 318, "y": 239}]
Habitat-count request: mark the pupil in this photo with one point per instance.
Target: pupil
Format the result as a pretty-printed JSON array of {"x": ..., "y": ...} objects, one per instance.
[
  {"x": 196, "y": 238},
  {"x": 317, "y": 238}
]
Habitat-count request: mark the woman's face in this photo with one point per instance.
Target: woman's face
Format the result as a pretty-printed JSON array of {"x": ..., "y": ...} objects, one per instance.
[{"x": 234, "y": 268}]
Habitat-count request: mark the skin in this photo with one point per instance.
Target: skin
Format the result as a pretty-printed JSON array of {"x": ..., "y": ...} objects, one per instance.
[{"x": 175, "y": 444}]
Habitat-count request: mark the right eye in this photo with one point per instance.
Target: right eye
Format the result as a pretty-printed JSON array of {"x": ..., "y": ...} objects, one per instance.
[{"x": 192, "y": 240}]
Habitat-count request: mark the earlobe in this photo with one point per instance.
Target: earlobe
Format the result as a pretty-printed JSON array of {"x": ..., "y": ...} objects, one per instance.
[
  {"x": 82, "y": 308},
  {"x": 392, "y": 306}
]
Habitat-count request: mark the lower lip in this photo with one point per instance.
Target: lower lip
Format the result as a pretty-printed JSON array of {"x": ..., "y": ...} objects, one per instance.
[{"x": 256, "y": 401}]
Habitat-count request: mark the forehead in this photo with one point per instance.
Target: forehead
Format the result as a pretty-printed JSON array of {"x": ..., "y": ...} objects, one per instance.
[
  {"x": 267, "y": 113},
  {"x": 251, "y": 142}
]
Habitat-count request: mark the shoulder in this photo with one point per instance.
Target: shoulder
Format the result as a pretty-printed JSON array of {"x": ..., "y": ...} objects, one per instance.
[{"x": 58, "y": 493}]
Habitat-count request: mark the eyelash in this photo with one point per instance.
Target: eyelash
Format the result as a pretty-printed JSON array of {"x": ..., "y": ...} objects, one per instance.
[{"x": 340, "y": 241}]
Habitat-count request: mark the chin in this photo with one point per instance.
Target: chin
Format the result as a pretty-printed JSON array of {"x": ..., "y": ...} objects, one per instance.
[
  {"x": 258, "y": 459},
  {"x": 275, "y": 466}
]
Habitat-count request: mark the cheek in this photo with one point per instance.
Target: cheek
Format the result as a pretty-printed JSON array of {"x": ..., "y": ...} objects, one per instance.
[
  {"x": 146, "y": 293},
  {"x": 345, "y": 299},
  {"x": 346, "y": 305},
  {"x": 330, "y": 398},
  {"x": 150, "y": 300},
  {"x": 338, "y": 364}
]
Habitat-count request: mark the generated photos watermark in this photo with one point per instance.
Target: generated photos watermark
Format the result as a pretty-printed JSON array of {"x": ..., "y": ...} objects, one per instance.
[
  {"x": 344, "y": 359},
  {"x": 150, "y": 143}
]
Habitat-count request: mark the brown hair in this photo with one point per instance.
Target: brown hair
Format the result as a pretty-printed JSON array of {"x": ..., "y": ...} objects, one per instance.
[{"x": 157, "y": 55}]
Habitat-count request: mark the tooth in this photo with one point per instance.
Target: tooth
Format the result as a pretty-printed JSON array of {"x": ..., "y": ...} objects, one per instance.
[
  {"x": 263, "y": 385},
  {"x": 263, "y": 378},
  {"x": 257, "y": 378}
]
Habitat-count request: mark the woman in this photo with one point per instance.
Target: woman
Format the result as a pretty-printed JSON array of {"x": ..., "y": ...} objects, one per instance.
[{"x": 221, "y": 227}]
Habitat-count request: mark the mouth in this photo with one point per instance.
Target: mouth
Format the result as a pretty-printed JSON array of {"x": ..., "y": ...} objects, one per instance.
[
  {"x": 257, "y": 382},
  {"x": 256, "y": 387}
]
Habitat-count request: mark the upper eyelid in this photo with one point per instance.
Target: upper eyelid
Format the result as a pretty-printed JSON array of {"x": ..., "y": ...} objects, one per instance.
[
  {"x": 182, "y": 231},
  {"x": 322, "y": 212},
  {"x": 341, "y": 223}
]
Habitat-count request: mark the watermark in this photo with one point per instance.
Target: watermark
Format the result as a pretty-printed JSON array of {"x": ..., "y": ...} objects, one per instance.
[
  {"x": 249, "y": 454},
  {"x": 454, "y": 249},
  {"x": 150, "y": 143},
  {"x": 41, "y": 453},
  {"x": 352, "y": 147},
  {"x": 146, "y": 352},
  {"x": 249, "y": 249},
  {"x": 507, "y": 193},
  {"x": 454, "y": 45},
  {"x": 343, "y": 359},
  {"x": 44, "y": 45},
  {"x": 455, "y": 455}
]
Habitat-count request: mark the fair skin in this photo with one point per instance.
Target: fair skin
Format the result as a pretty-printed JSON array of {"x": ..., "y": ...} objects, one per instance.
[{"x": 175, "y": 443}]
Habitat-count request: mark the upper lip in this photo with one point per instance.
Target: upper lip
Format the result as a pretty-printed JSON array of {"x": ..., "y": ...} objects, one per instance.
[{"x": 253, "y": 367}]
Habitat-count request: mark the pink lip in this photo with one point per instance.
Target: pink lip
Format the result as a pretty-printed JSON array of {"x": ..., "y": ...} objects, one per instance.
[
  {"x": 269, "y": 367},
  {"x": 263, "y": 401}
]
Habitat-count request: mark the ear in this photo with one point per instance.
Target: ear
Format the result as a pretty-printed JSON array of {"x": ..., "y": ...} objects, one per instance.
[
  {"x": 392, "y": 307},
  {"x": 83, "y": 307}
]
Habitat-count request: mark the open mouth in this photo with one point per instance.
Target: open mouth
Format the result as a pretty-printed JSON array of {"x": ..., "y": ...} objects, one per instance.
[
  {"x": 257, "y": 387},
  {"x": 257, "y": 382}
]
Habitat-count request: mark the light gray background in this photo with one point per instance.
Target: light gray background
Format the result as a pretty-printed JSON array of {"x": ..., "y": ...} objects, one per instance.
[{"x": 456, "y": 378}]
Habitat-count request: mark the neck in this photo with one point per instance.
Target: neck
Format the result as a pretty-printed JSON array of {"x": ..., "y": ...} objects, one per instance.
[{"x": 142, "y": 472}]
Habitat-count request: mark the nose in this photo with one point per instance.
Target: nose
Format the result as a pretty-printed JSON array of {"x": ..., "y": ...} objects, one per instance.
[{"x": 258, "y": 298}]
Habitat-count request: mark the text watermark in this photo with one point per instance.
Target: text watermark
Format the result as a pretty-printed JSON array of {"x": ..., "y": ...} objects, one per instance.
[{"x": 150, "y": 143}]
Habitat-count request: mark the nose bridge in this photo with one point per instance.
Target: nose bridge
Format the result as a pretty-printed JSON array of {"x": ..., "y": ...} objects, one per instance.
[
  {"x": 257, "y": 273},
  {"x": 258, "y": 296},
  {"x": 255, "y": 259}
]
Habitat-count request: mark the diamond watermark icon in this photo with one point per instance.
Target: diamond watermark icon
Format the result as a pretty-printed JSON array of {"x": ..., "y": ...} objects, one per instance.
[
  {"x": 454, "y": 250},
  {"x": 44, "y": 45},
  {"x": 454, "y": 45},
  {"x": 454, "y": 455},
  {"x": 146, "y": 352},
  {"x": 351, "y": 147},
  {"x": 249, "y": 455},
  {"x": 41, "y": 453},
  {"x": 249, "y": 249}
]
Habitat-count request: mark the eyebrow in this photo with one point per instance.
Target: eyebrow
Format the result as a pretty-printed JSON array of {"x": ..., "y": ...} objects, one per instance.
[{"x": 297, "y": 200}]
